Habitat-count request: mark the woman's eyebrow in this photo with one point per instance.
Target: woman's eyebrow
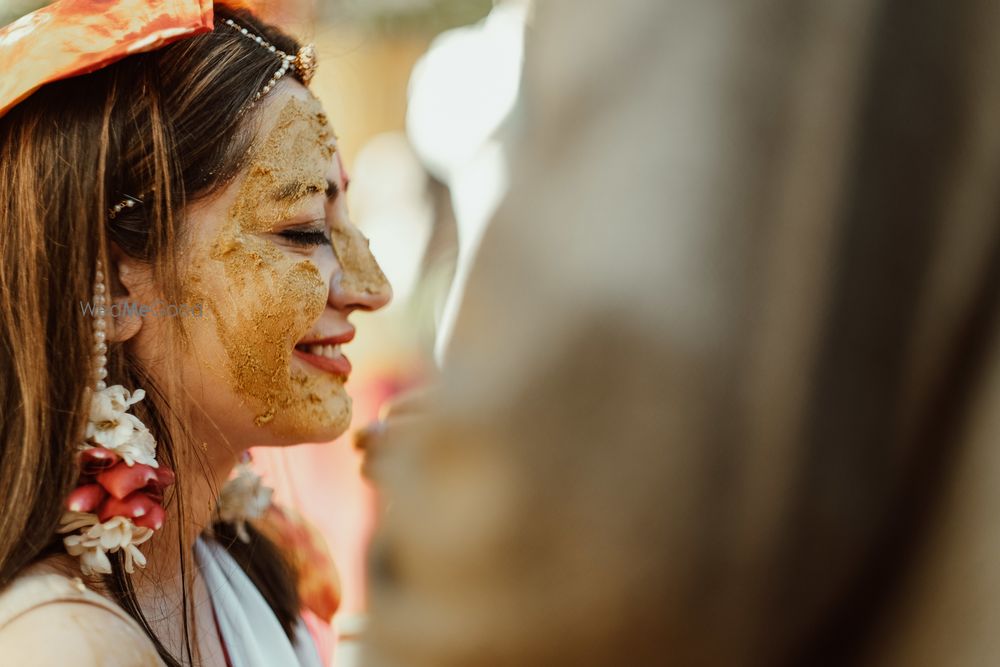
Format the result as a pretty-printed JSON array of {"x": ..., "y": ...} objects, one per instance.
[{"x": 293, "y": 191}]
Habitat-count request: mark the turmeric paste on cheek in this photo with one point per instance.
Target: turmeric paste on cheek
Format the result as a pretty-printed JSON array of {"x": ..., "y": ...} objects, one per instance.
[{"x": 268, "y": 301}]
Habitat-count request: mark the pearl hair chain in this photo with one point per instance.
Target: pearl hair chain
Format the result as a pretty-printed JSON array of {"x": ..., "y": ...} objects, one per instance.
[{"x": 286, "y": 60}]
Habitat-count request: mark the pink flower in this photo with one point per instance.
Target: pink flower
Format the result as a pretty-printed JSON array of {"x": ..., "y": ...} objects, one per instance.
[
  {"x": 111, "y": 488},
  {"x": 86, "y": 498},
  {"x": 142, "y": 509},
  {"x": 122, "y": 479}
]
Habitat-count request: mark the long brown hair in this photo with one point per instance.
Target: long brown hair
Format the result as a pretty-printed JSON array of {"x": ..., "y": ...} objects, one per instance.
[{"x": 167, "y": 127}]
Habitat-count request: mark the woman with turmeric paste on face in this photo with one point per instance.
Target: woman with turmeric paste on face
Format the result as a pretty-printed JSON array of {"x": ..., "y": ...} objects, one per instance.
[{"x": 162, "y": 153}]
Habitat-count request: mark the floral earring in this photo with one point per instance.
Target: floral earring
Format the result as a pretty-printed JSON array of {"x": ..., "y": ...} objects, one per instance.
[{"x": 117, "y": 504}]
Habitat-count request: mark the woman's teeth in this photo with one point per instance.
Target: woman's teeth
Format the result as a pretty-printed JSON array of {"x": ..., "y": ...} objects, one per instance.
[
  {"x": 326, "y": 358},
  {"x": 329, "y": 351}
]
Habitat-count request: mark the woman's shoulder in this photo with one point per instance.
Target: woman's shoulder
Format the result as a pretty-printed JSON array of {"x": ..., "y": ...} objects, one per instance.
[{"x": 48, "y": 618}]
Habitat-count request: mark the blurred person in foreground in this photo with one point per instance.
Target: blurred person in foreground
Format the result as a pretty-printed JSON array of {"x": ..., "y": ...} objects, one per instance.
[{"x": 724, "y": 387}]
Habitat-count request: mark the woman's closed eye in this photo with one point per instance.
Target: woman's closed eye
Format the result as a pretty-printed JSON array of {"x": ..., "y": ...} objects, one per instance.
[{"x": 306, "y": 237}]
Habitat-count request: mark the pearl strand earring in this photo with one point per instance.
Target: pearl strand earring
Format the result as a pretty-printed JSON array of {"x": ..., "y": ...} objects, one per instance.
[
  {"x": 100, "y": 331},
  {"x": 117, "y": 504}
]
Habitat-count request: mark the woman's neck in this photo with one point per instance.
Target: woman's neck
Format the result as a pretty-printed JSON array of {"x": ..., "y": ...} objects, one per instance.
[{"x": 171, "y": 576}]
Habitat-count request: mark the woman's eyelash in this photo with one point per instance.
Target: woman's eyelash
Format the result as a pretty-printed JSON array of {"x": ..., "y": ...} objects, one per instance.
[{"x": 305, "y": 238}]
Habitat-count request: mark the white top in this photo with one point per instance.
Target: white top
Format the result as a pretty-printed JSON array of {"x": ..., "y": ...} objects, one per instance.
[
  {"x": 252, "y": 635},
  {"x": 42, "y": 596}
]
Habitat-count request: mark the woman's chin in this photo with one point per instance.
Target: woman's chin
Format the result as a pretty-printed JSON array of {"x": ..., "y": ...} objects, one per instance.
[{"x": 311, "y": 421}]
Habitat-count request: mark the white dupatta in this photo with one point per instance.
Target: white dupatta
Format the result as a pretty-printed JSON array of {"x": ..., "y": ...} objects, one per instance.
[{"x": 252, "y": 635}]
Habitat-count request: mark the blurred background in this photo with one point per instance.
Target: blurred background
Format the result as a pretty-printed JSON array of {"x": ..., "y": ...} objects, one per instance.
[{"x": 419, "y": 92}]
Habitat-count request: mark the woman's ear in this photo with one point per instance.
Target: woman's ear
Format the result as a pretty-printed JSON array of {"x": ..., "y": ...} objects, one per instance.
[{"x": 129, "y": 280}]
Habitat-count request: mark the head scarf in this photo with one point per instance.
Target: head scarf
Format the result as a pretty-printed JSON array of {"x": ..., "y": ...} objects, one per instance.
[{"x": 72, "y": 37}]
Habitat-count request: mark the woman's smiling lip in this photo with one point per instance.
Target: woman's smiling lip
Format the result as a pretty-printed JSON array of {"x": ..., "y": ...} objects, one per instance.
[{"x": 325, "y": 354}]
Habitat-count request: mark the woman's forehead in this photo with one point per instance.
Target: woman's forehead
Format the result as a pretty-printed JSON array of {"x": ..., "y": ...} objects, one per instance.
[
  {"x": 295, "y": 151},
  {"x": 294, "y": 119}
]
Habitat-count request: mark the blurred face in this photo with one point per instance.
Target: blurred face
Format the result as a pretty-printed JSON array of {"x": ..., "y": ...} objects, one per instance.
[{"x": 278, "y": 267}]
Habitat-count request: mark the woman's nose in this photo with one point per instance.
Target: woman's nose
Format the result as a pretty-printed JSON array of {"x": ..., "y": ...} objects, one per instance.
[{"x": 359, "y": 283}]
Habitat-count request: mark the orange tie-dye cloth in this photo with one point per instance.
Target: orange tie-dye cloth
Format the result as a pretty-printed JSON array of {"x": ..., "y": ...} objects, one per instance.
[
  {"x": 305, "y": 548},
  {"x": 73, "y": 37}
]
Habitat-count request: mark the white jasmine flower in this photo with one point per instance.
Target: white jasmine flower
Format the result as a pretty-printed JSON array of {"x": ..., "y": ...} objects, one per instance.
[
  {"x": 114, "y": 533},
  {"x": 99, "y": 539},
  {"x": 111, "y": 427},
  {"x": 117, "y": 398},
  {"x": 71, "y": 521},
  {"x": 111, "y": 430},
  {"x": 243, "y": 497},
  {"x": 140, "y": 447},
  {"x": 93, "y": 559},
  {"x": 132, "y": 554}
]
